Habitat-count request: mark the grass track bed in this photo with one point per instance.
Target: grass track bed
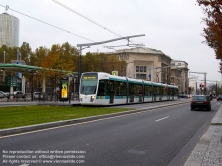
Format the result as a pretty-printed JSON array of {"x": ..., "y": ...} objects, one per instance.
[{"x": 18, "y": 116}]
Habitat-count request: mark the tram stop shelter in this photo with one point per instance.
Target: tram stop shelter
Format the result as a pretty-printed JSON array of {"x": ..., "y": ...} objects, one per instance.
[{"x": 33, "y": 70}]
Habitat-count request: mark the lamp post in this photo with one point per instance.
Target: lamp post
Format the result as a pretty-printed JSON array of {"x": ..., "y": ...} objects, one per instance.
[{"x": 4, "y": 70}]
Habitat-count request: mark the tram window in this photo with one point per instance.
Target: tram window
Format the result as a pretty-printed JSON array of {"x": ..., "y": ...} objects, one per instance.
[
  {"x": 131, "y": 89},
  {"x": 148, "y": 90},
  {"x": 103, "y": 88},
  {"x": 111, "y": 87},
  {"x": 139, "y": 89},
  {"x": 123, "y": 89},
  {"x": 117, "y": 88},
  {"x": 164, "y": 90},
  {"x": 157, "y": 90}
]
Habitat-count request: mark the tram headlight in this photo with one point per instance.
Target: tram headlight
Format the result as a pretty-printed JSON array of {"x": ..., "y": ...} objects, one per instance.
[{"x": 92, "y": 98}]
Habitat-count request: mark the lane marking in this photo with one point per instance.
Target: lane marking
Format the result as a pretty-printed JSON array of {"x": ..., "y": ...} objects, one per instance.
[{"x": 162, "y": 119}]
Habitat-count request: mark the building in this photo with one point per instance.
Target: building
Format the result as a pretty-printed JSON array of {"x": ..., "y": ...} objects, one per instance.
[
  {"x": 179, "y": 75},
  {"x": 145, "y": 63},
  {"x": 193, "y": 85},
  {"x": 9, "y": 30}
]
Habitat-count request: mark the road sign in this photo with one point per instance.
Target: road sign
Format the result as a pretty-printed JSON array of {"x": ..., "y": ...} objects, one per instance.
[
  {"x": 115, "y": 73},
  {"x": 12, "y": 81}
]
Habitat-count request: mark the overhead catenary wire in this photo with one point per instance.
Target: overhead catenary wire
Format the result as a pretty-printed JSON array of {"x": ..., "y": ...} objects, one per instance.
[
  {"x": 72, "y": 10},
  {"x": 62, "y": 28},
  {"x": 48, "y": 24}
]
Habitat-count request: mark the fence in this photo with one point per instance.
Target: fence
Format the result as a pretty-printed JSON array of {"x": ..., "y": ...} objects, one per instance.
[{"x": 41, "y": 97}]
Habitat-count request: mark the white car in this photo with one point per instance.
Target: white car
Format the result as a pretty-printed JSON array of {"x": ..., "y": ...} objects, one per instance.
[
  {"x": 2, "y": 94},
  {"x": 38, "y": 95},
  {"x": 19, "y": 94}
]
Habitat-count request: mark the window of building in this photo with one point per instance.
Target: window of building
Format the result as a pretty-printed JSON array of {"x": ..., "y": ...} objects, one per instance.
[
  {"x": 141, "y": 76},
  {"x": 137, "y": 68},
  {"x": 141, "y": 72},
  {"x": 144, "y": 68}
]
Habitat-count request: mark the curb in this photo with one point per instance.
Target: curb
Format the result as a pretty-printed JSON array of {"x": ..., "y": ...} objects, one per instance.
[{"x": 30, "y": 128}]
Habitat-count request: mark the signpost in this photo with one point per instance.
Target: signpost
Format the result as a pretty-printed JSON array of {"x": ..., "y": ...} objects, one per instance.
[
  {"x": 115, "y": 73},
  {"x": 11, "y": 81}
]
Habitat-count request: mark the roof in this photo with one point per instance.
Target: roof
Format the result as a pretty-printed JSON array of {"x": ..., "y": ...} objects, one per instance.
[
  {"x": 26, "y": 68},
  {"x": 144, "y": 50},
  {"x": 173, "y": 60}
]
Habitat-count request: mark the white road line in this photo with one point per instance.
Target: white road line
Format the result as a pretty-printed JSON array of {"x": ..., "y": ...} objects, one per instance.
[
  {"x": 161, "y": 119},
  {"x": 24, "y": 165}
]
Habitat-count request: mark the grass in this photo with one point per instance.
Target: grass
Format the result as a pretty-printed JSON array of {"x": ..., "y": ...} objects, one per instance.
[{"x": 28, "y": 115}]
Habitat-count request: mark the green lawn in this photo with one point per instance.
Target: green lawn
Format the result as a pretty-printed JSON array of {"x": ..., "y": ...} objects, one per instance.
[{"x": 28, "y": 115}]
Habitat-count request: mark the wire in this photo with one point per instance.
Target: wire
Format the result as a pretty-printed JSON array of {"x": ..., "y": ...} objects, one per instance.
[
  {"x": 48, "y": 24},
  {"x": 85, "y": 17}
]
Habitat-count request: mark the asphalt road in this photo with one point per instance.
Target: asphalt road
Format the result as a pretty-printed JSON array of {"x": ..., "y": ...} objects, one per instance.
[{"x": 157, "y": 137}]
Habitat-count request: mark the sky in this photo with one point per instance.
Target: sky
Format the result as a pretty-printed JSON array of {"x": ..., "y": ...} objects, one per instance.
[{"x": 172, "y": 26}]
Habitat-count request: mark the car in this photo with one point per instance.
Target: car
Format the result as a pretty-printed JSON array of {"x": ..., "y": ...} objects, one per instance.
[
  {"x": 19, "y": 94},
  {"x": 210, "y": 96},
  {"x": 2, "y": 94},
  {"x": 200, "y": 101},
  {"x": 182, "y": 96},
  {"x": 38, "y": 95},
  {"x": 219, "y": 97}
]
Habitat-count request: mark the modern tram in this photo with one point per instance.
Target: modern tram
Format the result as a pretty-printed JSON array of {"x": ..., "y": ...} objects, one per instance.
[{"x": 99, "y": 88}]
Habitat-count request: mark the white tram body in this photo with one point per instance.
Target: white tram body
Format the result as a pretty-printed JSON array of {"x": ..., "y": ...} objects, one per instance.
[{"x": 98, "y": 88}]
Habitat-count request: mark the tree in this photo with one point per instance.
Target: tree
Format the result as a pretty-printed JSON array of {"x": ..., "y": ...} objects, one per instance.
[
  {"x": 213, "y": 31},
  {"x": 60, "y": 58},
  {"x": 26, "y": 50}
]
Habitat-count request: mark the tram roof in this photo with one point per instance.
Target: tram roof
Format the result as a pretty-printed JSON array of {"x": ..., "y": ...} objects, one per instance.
[{"x": 26, "y": 68}]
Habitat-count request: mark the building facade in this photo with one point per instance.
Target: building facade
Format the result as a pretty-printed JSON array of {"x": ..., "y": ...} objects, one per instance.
[
  {"x": 179, "y": 75},
  {"x": 9, "y": 30},
  {"x": 145, "y": 63}
]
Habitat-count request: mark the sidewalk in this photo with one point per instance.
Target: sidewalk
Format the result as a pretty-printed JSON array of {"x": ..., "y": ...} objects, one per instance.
[{"x": 208, "y": 151}]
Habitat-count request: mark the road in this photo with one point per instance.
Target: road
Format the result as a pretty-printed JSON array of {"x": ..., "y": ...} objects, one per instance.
[{"x": 156, "y": 137}]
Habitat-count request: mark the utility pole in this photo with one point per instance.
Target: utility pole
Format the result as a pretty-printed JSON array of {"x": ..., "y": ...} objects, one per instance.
[
  {"x": 4, "y": 70},
  {"x": 87, "y": 45}
]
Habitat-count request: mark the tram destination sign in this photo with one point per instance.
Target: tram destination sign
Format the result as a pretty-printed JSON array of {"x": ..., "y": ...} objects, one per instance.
[{"x": 89, "y": 77}]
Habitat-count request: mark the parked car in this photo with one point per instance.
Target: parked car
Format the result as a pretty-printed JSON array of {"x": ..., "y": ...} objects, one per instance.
[
  {"x": 19, "y": 94},
  {"x": 219, "y": 97},
  {"x": 200, "y": 101},
  {"x": 2, "y": 94},
  {"x": 38, "y": 95}
]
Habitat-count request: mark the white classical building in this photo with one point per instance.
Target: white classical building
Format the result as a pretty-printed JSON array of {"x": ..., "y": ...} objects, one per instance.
[{"x": 146, "y": 63}]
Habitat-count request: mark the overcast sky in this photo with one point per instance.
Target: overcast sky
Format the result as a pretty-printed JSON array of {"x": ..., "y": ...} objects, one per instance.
[{"x": 172, "y": 26}]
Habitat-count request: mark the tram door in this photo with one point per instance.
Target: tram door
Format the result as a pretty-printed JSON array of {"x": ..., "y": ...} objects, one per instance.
[
  {"x": 131, "y": 92},
  {"x": 112, "y": 92},
  {"x": 154, "y": 93}
]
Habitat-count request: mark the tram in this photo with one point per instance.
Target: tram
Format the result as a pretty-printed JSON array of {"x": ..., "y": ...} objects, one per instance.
[{"x": 99, "y": 88}]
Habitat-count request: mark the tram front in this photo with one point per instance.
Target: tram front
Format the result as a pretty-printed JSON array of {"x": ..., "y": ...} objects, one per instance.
[{"x": 88, "y": 88}]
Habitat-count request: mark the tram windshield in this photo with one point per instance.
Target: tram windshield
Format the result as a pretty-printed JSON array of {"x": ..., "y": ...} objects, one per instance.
[{"x": 88, "y": 84}]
